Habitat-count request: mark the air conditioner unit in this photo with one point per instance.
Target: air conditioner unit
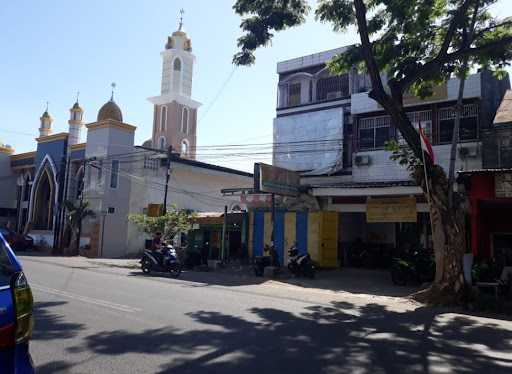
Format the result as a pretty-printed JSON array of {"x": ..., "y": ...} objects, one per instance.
[
  {"x": 362, "y": 160},
  {"x": 333, "y": 95},
  {"x": 468, "y": 151}
]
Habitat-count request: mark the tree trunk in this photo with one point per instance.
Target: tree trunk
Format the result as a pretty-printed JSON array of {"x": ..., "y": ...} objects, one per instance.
[
  {"x": 447, "y": 223},
  {"x": 449, "y": 239}
]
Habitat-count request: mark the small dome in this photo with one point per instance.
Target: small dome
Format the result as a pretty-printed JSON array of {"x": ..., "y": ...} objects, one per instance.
[
  {"x": 46, "y": 114},
  {"x": 110, "y": 111},
  {"x": 76, "y": 107}
]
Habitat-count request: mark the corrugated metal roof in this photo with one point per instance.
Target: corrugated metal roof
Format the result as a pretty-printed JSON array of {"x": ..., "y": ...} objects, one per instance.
[
  {"x": 367, "y": 184},
  {"x": 475, "y": 171}
]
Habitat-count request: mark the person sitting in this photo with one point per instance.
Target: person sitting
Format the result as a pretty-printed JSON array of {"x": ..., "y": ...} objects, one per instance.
[{"x": 156, "y": 244}]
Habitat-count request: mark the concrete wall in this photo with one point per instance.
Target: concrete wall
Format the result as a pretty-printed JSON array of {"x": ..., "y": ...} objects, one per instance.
[
  {"x": 313, "y": 126},
  {"x": 382, "y": 168},
  {"x": 193, "y": 188},
  {"x": 7, "y": 183},
  {"x": 105, "y": 143},
  {"x": 361, "y": 103}
]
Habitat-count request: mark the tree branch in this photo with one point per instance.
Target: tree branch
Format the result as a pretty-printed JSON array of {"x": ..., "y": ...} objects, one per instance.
[
  {"x": 393, "y": 105},
  {"x": 436, "y": 64},
  {"x": 452, "y": 28}
]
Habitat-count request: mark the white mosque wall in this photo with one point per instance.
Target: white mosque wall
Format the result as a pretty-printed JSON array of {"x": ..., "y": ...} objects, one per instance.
[{"x": 193, "y": 188}]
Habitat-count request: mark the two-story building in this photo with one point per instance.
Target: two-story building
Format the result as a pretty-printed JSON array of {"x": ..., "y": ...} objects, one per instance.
[{"x": 327, "y": 128}]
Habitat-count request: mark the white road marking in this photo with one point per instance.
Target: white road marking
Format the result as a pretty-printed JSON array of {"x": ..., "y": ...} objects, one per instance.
[{"x": 85, "y": 299}]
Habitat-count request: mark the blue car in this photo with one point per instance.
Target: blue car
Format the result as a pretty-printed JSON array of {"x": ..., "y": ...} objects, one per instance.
[{"x": 16, "y": 320}]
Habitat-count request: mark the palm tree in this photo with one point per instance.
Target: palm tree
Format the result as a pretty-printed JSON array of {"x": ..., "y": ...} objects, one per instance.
[{"x": 76, "y": 213}]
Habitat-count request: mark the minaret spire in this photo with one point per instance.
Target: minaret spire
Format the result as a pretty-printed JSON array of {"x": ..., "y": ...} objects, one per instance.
[
  {"x": 113, "y": 85},
  {"x": 182, "y": 12}
]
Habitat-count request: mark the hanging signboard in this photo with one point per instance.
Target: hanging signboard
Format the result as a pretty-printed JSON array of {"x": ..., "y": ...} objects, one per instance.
[
  {"x": 272, "y": 179},
  {"x": 399, "y": 209},
  {"x": 503, "y": 184}
]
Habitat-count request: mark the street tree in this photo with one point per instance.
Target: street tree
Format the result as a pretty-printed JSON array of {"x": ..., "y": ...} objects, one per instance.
[
  {"x": 405, "y": 47},
  {"x": 76, "y": 212},
  {"x": 173, "y": 222}
]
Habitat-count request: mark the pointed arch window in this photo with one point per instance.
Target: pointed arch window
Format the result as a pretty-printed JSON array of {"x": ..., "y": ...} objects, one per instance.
[
  {"x": 163, "y": 118},
  {"x": 184, "y": 148},
  {"x": 177, "y": 75},
  {"x": 162, "y": 143},
  {"x": 184, "y": 121}
]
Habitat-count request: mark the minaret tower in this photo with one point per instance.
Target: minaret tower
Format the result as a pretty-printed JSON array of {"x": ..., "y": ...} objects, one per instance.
[
  {"x": 46, "y": 123},
  {"x": 175, "y": 112},
  {"x": 75, "y": 123}
]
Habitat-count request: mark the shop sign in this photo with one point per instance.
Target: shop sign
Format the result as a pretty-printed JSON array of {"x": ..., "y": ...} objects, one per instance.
[
  {"x": 503, "y": 184},
  {"x": 155, "y": 210},
  {"x": 271, "y": 179},
  {"x": 401, "y": 209}
]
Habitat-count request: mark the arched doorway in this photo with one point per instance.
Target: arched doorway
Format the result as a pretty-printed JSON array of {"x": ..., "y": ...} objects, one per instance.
[{"x": 44, "y": 198}]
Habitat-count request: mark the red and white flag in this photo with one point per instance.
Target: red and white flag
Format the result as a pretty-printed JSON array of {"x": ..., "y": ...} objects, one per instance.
[{"x": 425, "y": 144}]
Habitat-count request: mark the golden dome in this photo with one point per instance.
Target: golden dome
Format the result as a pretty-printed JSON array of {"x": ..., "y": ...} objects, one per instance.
[{"x": 110, "y": 111}]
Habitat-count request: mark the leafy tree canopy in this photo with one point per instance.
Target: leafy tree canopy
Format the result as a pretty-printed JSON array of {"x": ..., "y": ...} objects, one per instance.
[
  {"x": 417, "y": 42},
  {"x": 172, "y": 223}
]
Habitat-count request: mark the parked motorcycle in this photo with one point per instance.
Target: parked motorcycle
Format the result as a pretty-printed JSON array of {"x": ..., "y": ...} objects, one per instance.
[
  {"x": 416, "y": 268},
  {"x": 300, "y": 264},
  {"x": 165, "y": 260}
]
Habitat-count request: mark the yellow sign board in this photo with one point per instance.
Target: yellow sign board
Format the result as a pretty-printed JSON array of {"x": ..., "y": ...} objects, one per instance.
[
  {"x": 400, "y": 209},
  {"x": 155, "y": 210}
]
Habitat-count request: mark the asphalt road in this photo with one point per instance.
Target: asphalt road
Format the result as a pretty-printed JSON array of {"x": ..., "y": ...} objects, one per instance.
[{"x": 91, "y": 320}]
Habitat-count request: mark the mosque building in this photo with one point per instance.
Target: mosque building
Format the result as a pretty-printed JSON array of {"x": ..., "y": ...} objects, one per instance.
[{"x": 109, "y": 171}]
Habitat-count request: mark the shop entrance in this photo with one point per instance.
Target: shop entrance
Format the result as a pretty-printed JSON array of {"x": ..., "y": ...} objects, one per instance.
[{"x": 374, "y": 245}]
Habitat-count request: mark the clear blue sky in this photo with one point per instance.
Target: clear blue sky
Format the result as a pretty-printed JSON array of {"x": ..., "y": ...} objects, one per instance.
[{"x": 52, "y": 49}]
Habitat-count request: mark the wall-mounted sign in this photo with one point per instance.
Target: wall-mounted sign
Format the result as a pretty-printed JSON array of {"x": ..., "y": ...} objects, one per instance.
[
  {"x": 271, "y": 179},
  {"x": 400, "y": 209},
  {"x": 155, "y": 210},
  {"x": 503, "y": 184}
]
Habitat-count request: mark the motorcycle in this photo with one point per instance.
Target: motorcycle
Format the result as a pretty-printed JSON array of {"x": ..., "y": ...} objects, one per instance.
[
  {"x": 165, "y": 260},
  {"x": 300, "y": 264},
  {"x": 417, "y": 268}
]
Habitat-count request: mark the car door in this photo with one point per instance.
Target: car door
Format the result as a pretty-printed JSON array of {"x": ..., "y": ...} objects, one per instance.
[{"x": 7, "y": 313}]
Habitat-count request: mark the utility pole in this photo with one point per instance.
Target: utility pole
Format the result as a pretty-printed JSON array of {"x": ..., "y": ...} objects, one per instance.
[
  {"x": 167, "y": 177},
  {"x": 104, "y": 215},
  {"x": 224, "y": 228},
  {"x": 170, "y": 155},
  {"x": 82, "y": 188}
]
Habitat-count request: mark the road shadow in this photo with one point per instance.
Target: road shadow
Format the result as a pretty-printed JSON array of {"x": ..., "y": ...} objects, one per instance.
[
  {"x": 50, "y": 325},
  {"x": 339, "y": 338},
  {"x": 205, "y": 278}
]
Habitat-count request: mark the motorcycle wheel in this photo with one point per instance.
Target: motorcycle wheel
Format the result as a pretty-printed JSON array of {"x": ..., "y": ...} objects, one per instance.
[
  {"x": 310, "y": 271},
  {"x": 146, "y": 266},
  {"x": 175, "y": 270}
]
